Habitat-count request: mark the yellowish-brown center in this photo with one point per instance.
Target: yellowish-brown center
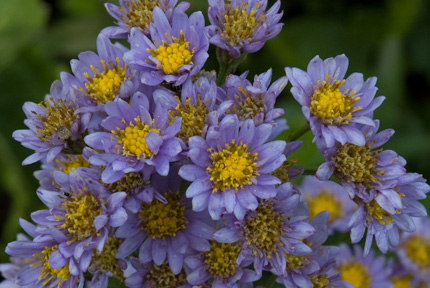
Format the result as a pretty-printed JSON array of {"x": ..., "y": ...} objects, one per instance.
[
  {"x": 106, "y": 84},
  {"x": 377, "y": 212},
  {"x": 232, "y": 167},
  {"x": 72, "y": 162},
  {"x": 417, "y": 249},
  {"x": 249, "y": 106},
  {"x": 320, "y": 281},
  {"x": 163, "y": 220},
  {"x": 325, "y": 201},
  {"x": 220, "y": 260},
  {"x": 174, "y": 55},
  {"x": 139, "y": 13},
  {"x": 356, "y": 274},
  {"x": 129, "y": 182},
  {"x": 106, "y": 262},
  {"x": 330, "y": 104},
  {"x": 163, "y": 277},
  {"x": 402, "y": 282},
  {"x": 132, "y": 139}
]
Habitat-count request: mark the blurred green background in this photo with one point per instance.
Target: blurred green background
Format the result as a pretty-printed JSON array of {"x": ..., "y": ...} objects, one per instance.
[{"x": 389, "y": 39}]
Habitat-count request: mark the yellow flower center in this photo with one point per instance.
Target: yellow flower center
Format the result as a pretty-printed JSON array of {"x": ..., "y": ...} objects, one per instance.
[
  {"x": 417, "y": 249},
  {"x": 129, "y": 182},
  {"x": 80, "y": 212},
  {"x": 220, "y": 260},
  {"x": 59, "y": 119},
  {"x": 239, "y": 26},
  {"x": 282, "y": 172},
  {"x": 232, "y": 167},
  {"x": 163, "y": 277},
  {"x": 106, "y": 84},
  {"x": 325, "y": 201},
  {"x": 49, "y": 273},
  {"x": 331, "y": 105},
  {"x": 356, "y": 274},
  {"x": 174, "y": 55},
  {"x": 376, "y": 212},
  {"x": 263, "y": 231},
  {"x": 193, "y": 117},
  {"x": 296, "y": 262},
  {"x": 139, "y": 13},
  {"x": 401, "y": 282},
  {"x": 320, "y": 281},
  {"x": 72, "y": 162},
  {"x": 357, "y": 164},
  {"x": 132, "y": 139},
  {"x": 249, "y": 107},
  {"x": 163, "y": 220},
  {"x": 106, "y": 262}
]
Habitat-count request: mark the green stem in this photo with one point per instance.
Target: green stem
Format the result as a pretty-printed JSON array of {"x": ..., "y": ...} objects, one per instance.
[
  {"x": 271, "y": 281},
  {"x": 227, "y": 64},
  {"x": 299, "y": 133},
  {"x": 309, "y": 171}
]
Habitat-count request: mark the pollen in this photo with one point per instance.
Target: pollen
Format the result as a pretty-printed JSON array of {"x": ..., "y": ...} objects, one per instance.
[
  {"x": 173, "y": 56},
  {"x": 80, "y": 211},
  {"x": 330, "y": 104},
  {"x": 132, "y": 139},
  {"x": 131, "y": 181},
  {"x": 72, "y": 162},
  {"x": 417, "y": 248},
  {"x": 162, "y": 220},
  {"x": 106, "y": 262},
  {"x": 220, "y": 260},
  {"x": 232, "y": 167},
  {"x": 59, "y": 118},
  {"x": 48, "y": 273},
  {"x": 356, "y": 274},
  {"x": 378, "y": 213},
  {"x": 239, "y": 25},
  {"x": 163, "y": 277},
  {"x": 106, "y": 84},
  {"x": 296, "y": 262},
  {"x": 320, "y": 281},
  {"x": 139, "y": 13},
  {"x": 263, "y": 229},
  {"x": 247, "y": 106},
  {"x": 357, "y": 164},
  {"x": 325, "y": 201},
  {"x": 193, "y": 117}
]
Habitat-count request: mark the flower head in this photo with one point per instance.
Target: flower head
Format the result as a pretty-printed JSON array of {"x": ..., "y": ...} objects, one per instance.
[
  {"x": 138, "y": 13},
  {"x": 231, "y": 167},
  {"x": 331, "y": 104},
  {"x": 242, "y": 26},
  {"x": 175, "y": 52}
]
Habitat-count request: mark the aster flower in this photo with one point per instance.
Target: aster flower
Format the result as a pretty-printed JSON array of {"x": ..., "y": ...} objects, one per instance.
[
  {"x": 231, "y": 167},
  {"x": 217, "y": 267},
  {"x": 136, "y": 139},
  {"x": 149, "y": 275},
  {"x": 175, "y": 52},
  {"x": 362, "y": 271},
  {"x": 54, "y": 125},
  {"x": 240, "y": 26},
  {"x": 255, "y": 100},
  {"x": 377, "y": 181},
  {"x": 328, "y": 196},
  {"x": 270, "y": 232},
  {"x": 331, "y": 104},
  {"x": 48, "y": 266},
  {"x": 83, "y": 211},
  {"x": 166, "y": 230},
  {"x": 138, "y": 13},
  {"x": 414, "y": 252},
  {"x": 103, "y": 77}
]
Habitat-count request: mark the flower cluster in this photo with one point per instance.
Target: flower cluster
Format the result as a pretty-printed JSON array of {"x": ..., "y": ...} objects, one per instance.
[{"x": 161, "y": 174}]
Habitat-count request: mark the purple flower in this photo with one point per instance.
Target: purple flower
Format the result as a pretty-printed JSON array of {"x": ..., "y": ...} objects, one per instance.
[
  {"x": 54, "y": 125},
  {"x": 255, "y": 100},
  {"x": 175, "y": 52},
  {"x": 138, "y": 13},
  {"x": 135, "y": 139},
  {"x": 270, "y": 232},
  {"x": 328, "y": 196},
  {"x": 242, "y": 26},
  {"x": 47, "y": 265},
  {"x": 231, "y": 167},
  {"x": 149, "y": 275},
  {"x": 362, "y": 271},
  {"x": 165, "y": 230},
  {"x": 103, "y": 77},
  {"x": 377, "y": 181},
  {"x": 331, "y": 104}
]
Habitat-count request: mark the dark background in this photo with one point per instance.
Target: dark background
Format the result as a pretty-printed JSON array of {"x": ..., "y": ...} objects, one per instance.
[{"x": 389, "y": 39}]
